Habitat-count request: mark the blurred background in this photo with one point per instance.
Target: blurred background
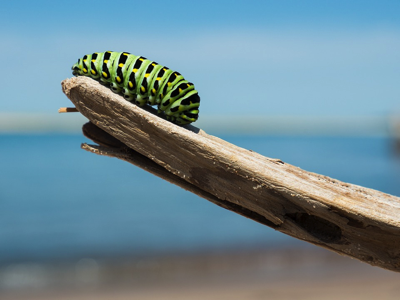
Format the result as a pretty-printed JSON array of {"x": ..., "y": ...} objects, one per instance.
[{"x": 314, "y": 83}]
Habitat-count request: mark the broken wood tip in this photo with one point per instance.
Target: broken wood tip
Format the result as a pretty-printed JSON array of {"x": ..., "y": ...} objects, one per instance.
[{"x": 67, "y": 109}]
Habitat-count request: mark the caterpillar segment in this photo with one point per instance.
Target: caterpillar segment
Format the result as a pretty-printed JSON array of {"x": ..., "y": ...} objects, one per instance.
[{"x": 142, "y": 82}]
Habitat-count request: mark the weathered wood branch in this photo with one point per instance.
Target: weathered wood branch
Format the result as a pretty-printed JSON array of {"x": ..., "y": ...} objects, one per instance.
[{"x": 348, "y": 219}]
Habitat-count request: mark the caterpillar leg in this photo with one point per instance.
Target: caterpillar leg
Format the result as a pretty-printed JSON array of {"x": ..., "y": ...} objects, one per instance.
[
  {"x": 115, "y": 88},
  {"x": 140, "y": 100},
  {"x": 128, "y": 96}
]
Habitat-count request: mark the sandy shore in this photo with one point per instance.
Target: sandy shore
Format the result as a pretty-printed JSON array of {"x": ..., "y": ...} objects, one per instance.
[{"x": 262, "y": 274}]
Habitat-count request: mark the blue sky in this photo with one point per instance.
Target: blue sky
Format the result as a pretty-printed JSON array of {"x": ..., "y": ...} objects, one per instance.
[{"x": 316, "y": 58}]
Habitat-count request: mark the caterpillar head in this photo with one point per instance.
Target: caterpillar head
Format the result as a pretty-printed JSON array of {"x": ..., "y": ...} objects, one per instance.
[
  {"x": 77, "y": 69},
  {"x": 81, "y": 67}
]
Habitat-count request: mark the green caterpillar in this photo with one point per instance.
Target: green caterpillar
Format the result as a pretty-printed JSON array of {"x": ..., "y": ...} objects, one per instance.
[{"x": 142, "y": 82}]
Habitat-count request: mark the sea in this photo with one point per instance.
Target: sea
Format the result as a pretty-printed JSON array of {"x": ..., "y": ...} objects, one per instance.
[{"x": 59, "y": 202}]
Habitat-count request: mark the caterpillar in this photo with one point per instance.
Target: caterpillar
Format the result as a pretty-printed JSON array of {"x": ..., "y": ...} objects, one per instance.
[{"x": 142, "y": 81}]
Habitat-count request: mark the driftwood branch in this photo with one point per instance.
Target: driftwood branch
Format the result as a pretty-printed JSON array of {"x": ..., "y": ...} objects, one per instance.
[{"x": 348, "y": 219}]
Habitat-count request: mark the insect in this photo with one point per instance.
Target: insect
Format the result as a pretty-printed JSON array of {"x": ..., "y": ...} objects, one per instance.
[{"x": 142, "y": 82}]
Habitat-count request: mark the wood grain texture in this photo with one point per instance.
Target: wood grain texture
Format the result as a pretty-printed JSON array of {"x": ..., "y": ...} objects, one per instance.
[{"x": 345, "y": 218}]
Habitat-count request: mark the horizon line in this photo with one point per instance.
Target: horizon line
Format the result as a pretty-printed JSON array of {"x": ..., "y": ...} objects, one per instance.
[{"x": 224, "y": 124}]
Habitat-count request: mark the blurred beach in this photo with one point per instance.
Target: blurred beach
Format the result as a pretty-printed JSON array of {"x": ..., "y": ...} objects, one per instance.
[{"x": 286, "y": 273}]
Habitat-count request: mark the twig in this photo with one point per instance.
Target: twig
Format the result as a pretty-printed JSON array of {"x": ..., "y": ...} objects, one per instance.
[
  {"x": 67, "y": 109},
  {"x": 345, "y": 218}
]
